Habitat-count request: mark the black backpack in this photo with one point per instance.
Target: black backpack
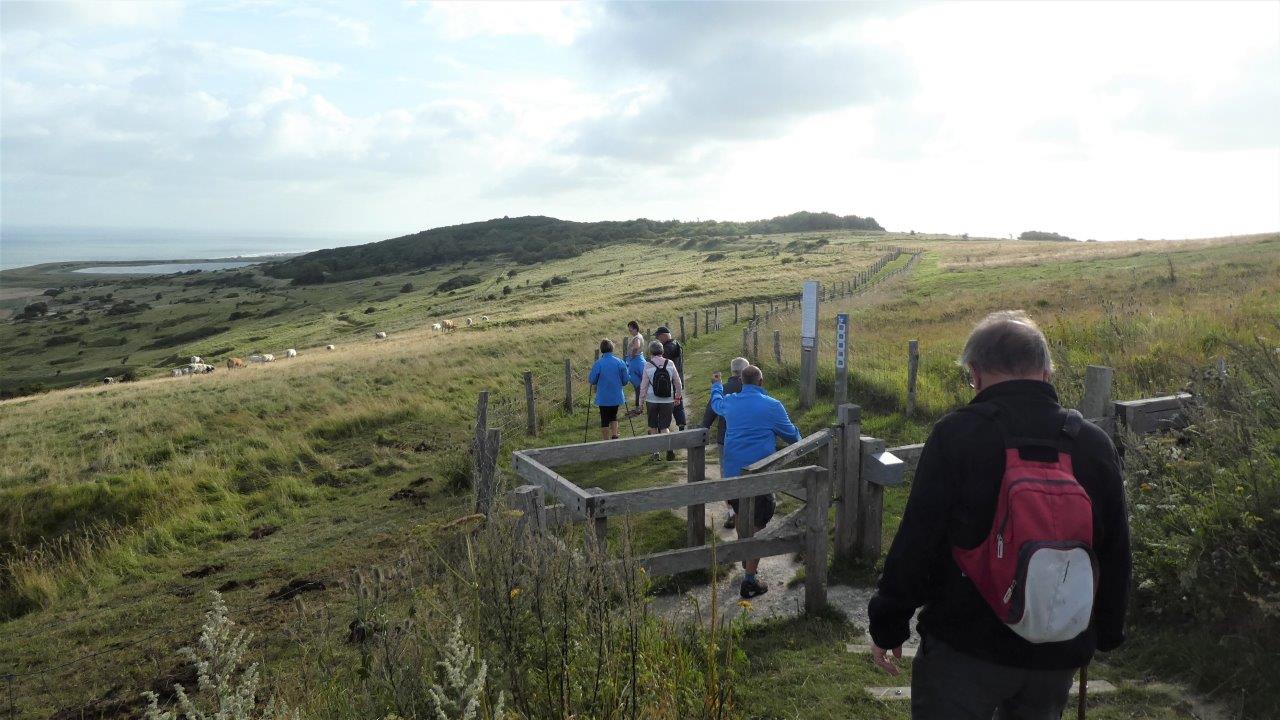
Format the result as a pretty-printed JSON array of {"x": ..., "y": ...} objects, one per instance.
[{"x": 661, "y": 382}]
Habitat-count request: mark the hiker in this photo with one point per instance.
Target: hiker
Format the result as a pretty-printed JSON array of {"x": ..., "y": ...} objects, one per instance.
[
  {"x": 661, "y": 390},
  {"x": 1012, "y": 605},
  {"x": 633, "y": 355},
  {"x": 754, "y": 419},
  {"x": 609, "y": 375},
  {"x": 673, "y": 351},
  {"x": 709, "y": 417}
]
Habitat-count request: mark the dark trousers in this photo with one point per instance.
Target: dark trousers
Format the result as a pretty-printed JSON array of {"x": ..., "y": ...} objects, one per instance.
[
  {"x": 947, "y": 684},
  {"x": 678, "y": 414}
]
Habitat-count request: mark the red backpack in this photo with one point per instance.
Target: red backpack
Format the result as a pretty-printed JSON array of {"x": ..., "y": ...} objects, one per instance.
[{"x": 1037, "y": 569}]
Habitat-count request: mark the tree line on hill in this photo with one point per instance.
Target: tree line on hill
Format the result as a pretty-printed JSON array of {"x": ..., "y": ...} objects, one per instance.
[
  {"x": 1042, "y": 235},
  {"x": 527, "y": 240}
]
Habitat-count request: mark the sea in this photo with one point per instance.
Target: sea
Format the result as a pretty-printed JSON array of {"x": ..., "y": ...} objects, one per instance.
[{"x": 23, "y": 246}]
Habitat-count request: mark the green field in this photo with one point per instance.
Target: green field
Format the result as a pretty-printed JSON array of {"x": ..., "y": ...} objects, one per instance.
[{"x": 109, "y": 494}]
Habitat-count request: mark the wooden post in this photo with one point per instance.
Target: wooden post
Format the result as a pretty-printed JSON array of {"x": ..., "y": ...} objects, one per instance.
[
  {"x": 913, "y": 365},
  {"x": 486, "y": 484},
  {"x": 777, "y": 347},
  {"x": 568, "y": 386},
  {"x": 597, "y": 528},
  {"x": 695, "y": 515},
  {"x": 735, "y": 313},
  {"x": 753, "y": 311},
  {"x": 755, "y": 346},
  {"x": 681, "y": 328},
  {"x": 478, "y": 438},
  {"x": 817, "y": 498},
  {"x": 808, "y": 377},
  {"x": 847, "y": 484},
  {"x": 695, "y": 323},
  {"x": 528, "y": 499},
  {"x": 531, "y": 407},
  {"x": 1097, "y": 392},
  {"x": 715, "y": 317},
  {"x": 871, "y": 510},
  {"x": 746, "y": 341},
  {"x": 706, "y": 322}
]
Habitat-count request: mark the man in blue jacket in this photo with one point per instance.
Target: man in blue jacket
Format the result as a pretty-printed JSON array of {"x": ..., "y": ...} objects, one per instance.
[
  {"x": 609, "y": 375},
  {"x": 753, "y": 420}
]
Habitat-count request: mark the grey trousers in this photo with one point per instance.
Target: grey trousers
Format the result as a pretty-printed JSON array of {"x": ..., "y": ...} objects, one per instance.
[{"x": 947, "y": 684}]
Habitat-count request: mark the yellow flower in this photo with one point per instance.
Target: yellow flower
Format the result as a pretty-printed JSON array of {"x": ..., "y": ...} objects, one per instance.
[
  {"x": 744, "y": 604},
  {"x": 1239, "y": 488},
  {"x": 515, "y": 593},
  {"x": 1147, "y": 487}
]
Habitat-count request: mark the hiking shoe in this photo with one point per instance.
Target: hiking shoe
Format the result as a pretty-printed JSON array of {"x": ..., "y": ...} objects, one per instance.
[
  {"x": 731, "y": 522},
  {"x": 752, "y": 588}
]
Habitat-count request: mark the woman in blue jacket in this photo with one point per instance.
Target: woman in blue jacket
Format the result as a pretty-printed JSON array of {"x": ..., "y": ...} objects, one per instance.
[
  {"x": 609, "y": 376},
  {"x": 635, "y": 364}
]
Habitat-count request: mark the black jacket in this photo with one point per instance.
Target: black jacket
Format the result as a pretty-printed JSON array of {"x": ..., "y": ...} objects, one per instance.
[
  {"x": 709, "y": 416},
  {"x": 673, "y": 351},
  {"x": 953, "y": 501}
]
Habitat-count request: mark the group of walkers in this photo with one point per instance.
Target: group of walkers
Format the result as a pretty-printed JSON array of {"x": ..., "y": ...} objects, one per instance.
[{"x": 1013, "y": 550}]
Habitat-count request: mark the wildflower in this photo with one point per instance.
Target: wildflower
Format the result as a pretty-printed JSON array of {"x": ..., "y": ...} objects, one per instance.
[
  {"x": 1147, "y": 487},
  {"x": 1239, "y": 488},
  {"x": 515, "y": 593},
  {"x": 744, "y": 604}
]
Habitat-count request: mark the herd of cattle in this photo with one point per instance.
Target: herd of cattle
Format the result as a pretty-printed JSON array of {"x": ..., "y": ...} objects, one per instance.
[{"x": 197, "y": 365}]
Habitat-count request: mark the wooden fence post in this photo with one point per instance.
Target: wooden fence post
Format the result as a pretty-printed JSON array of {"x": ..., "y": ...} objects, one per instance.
[
  {"x": 746, "y": 341},
  {"x": 478, "y": 438},
  {"x": 568, "y": 386},
  {"x": 528, "y": 499},
  {"x": 848, "y": 482},
  {"x": 755, "y": 345},
  {"x": 871, "y": 508},
  {"x": 681, "y": 328},
  {"x": 715, "y": 317},
  {"x": 695, "y": 515},
  {"x": 817, "y": 499},
  {"x": 695, "y": 323},
  {"x": 753, "y": 311},
  {"x": 913, "y": 365},
  {"x": 777, "y": 347},
  {"x": 486, "y": 484},
  {"x": 735, "y": 313},
  {"x": 1096, "y": 403},
  {"x": 531, "y": 406}
]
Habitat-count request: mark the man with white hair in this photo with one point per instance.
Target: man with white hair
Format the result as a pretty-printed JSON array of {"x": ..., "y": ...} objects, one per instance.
[{"x": 1014, "y": 541}]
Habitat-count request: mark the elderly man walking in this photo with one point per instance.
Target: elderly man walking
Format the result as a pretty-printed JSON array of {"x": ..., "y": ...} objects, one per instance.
[
  {"x": 753, "y": 422},
  {"x": 1015, "y": 541}
]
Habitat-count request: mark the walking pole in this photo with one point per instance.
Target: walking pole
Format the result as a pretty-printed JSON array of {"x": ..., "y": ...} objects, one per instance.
[
  {"x": 1084, "y": 687},
  {"x": 586, "y": 421}
]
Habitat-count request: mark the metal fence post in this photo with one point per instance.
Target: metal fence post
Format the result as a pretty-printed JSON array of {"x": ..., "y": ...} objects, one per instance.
[{"x": 913, "y": 365}]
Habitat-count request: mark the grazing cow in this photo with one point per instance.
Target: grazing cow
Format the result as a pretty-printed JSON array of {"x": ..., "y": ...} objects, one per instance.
[
  {"x": 328, "y": 347},
  {"x": 177, "y": 371},
  {"x": 468, "y": 322},
  {"x": 257, "y": 358},
  {"x": 109, "y": 380},
  {"x": 268, "y": 357},
  {"x": 380, "y": 335},
  {"x": 449, "y": 325},
  {"x": 291, "y": 353},
  {"x": 484, "y": 318},
  {"x": 234, "y": 363},
  {"x": 195, "y": 360},
  {"x": 437, "y": 327}
]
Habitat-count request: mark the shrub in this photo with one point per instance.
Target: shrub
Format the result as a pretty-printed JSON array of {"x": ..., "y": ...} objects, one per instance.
[
  {"x": 406, "y": 288},
  {"x": 506, "y": 290},
  {"x": 56, "y": 340},
  {"x": 370, "y": 310},
  {"x": 715, "y": 257},
  {"x": 35, "y": 309},
  {"x": 457, "y": 282}
]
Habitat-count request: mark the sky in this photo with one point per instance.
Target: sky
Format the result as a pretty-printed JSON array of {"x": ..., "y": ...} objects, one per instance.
[{"x": 1095, "y": 120}]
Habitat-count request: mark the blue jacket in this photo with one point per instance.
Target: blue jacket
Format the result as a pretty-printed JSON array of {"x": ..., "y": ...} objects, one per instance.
[
  {"x": 609, "y": 375},
  {"x": 635, "y": 366},
  {"x": 753, "y": 420}
]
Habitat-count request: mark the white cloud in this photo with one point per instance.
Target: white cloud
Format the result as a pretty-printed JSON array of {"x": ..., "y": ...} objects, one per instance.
[{"x": 557, "y": 22}]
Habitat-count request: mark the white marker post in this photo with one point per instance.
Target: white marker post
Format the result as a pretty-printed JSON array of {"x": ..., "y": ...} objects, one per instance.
[
  {"x": 842, "y": 369},
  {"x": 809, "y": 344}
]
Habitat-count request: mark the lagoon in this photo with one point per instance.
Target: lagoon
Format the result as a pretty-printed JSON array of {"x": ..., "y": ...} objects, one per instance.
[{"x": 165, "y": 268}]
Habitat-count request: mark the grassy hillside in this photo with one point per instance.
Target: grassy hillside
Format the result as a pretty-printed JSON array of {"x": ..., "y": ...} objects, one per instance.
[{"x": 108, "y": 495}]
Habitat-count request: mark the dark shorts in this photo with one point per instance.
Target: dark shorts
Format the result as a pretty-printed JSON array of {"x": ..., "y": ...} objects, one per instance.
[
  {"x": 659, "y": 415},
  {"x": 947, "y": 684},
  {"x": 608, "y": 415},
  {"x": 764, "y": 507}
]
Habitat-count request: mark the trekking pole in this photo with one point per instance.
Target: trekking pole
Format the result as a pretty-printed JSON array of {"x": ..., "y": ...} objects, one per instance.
[
  {"x": 586, "y": 422},
  {"x": 1084, "y": 687}
]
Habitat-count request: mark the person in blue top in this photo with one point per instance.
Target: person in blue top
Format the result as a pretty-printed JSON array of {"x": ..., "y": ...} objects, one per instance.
[
  {"x": 633, "y": 355},
  {"x": 753, "y": 420},
  {"x": 609, "y": 376}
]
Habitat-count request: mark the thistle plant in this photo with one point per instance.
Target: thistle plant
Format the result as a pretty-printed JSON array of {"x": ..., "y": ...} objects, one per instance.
[{"x": 226, "y": 688}]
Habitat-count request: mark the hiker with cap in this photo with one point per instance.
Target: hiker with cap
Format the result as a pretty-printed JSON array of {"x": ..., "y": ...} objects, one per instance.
[
  {"x": 659, "y": 389},
  {"x": 673, "y": 351},
  {"x": 753, "y": 422},
  {"x": 1014, "y": 541},
  {"x": 609, "y": 375},
  {"x": 710, "y": 418}
]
